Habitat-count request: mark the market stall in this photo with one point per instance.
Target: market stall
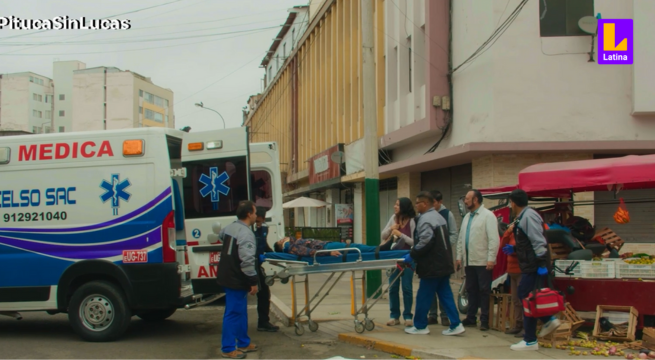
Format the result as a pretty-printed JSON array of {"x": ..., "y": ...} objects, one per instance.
[{"x": 591, "y": 267}]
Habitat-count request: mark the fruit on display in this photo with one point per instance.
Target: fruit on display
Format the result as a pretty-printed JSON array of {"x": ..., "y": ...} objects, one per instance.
[{"x": 641, "y": 260}]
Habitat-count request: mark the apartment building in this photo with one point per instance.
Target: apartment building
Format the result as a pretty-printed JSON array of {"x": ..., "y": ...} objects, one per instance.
[
  {"x": 105, "y": 98},
  {"x": 26, "y": 102}
]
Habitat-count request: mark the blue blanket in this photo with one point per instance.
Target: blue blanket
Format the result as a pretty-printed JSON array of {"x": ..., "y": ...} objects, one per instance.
[{"x": 351, "y": 256}]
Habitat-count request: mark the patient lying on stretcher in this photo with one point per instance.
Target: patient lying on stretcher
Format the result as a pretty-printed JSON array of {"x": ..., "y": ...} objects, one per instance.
[{"x": 308, "y": 247}]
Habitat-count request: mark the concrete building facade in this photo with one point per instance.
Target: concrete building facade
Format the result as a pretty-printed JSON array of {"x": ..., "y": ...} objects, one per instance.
[
  {"x": 535, "y": 95},
  {"x": 26, "y": 102},
  {"x": 62, "y": 74},
  {"x": 106, "y": 98}
]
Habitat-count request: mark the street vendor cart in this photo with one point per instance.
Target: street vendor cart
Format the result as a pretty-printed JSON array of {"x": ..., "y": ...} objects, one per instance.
[{"x": 614, "y": 280}]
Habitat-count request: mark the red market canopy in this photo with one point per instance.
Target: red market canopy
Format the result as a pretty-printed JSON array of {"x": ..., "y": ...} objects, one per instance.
[{"x": 624, "y": 173}]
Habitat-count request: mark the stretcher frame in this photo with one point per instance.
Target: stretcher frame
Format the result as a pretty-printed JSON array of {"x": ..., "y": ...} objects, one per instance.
[{"x": 291, "y": 269}]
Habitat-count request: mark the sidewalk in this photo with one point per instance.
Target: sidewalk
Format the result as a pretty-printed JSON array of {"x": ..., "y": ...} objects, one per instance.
[{"x": 335, "y": 321}]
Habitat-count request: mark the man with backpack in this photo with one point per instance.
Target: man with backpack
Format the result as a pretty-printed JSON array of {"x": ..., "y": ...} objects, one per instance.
[
  {"x": 534, "y": 259},
  {"x": 452, "y": 231}
]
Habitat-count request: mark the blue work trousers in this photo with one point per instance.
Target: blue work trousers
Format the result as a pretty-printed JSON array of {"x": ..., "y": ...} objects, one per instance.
[
  {"x": 425, "y": 297},
  {"x": 526, "y": 286},
  {"x": 408, "y": 293},
  {"x": 235, "y": 320}
]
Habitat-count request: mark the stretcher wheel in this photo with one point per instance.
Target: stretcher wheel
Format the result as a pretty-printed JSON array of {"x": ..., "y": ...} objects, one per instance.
[
  {"x": 369, "y": 325},
  {"x": 299, "y": 329},
  {"x": 284, "y": 280},
  {"x": 359, "y": 327},
  {"x": 313, "y": 326},
  {"x": 269, "y": 281}
]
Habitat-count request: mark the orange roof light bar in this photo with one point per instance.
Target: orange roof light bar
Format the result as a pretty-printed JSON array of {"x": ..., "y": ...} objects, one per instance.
[
  {"x": 195, "y": 146},
  {"x": 133, "y": 147}
]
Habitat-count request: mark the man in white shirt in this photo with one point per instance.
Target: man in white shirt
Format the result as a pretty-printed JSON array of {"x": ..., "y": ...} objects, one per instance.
[{"x": 477, "y": 248}]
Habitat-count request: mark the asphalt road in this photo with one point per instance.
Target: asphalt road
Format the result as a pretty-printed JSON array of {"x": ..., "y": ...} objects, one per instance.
[{"x": 188, "y": 334}]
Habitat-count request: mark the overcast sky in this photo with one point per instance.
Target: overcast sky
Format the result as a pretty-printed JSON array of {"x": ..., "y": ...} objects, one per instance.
[{"x": 192, "y": 67}]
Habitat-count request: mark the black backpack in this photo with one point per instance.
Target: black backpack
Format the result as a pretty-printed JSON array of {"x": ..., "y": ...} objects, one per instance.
[{"x": 581, "y": 228}]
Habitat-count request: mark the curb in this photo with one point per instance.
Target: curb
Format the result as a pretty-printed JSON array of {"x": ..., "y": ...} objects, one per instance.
[
  {"x": 397, "y": 349},
  {"x": 281, "y": 311}
]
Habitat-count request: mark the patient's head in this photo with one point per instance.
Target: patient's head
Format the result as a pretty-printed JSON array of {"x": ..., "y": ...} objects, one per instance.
[{"x": 279, "y": 245}]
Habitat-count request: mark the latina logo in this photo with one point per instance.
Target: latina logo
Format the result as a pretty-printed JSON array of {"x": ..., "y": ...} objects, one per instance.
[
  {"x": 615, "y": 42},
  {"x": 214, "y": 185},
  {"x": 115, "y": 190}
]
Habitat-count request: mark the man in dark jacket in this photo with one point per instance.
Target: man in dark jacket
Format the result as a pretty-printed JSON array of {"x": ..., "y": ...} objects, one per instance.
[
  {"x": 433, "y": 255},
  {"x": 237, "y": 274},
  {"x": 264, "y": 294},
  {"x": 534, "y": 259}
]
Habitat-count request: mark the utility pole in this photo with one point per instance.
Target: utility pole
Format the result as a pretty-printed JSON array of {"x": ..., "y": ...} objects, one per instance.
[{"x": 372, "y": 176}]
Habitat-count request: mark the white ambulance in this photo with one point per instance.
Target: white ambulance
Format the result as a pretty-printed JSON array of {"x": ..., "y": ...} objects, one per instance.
[{"x": 110, "y": 224}]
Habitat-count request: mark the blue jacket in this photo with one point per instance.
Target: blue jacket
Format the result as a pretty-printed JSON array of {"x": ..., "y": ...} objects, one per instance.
[{"x": 260, "y": 235}]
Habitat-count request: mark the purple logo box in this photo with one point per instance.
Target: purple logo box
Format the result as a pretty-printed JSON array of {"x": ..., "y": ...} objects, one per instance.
[{"x": 615, "y": 42}]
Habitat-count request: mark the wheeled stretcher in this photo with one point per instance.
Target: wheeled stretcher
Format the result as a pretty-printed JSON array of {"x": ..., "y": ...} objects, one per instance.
[{"x": 286, "y": 267}]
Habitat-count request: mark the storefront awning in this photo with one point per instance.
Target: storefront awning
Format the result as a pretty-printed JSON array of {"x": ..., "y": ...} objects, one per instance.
[{"x": 624, "y": 173}]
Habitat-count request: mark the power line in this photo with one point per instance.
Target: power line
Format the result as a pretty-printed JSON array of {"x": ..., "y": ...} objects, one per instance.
[
  {"x": 118, "y": 41},
  {"x": 139, "y": 49},
  {"x": 495, "y": 36},
  {"x": 215, "y": 82},
  {"x": 108, "y": 17}
]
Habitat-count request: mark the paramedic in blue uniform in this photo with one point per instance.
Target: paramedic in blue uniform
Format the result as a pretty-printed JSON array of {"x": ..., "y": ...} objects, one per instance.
[
  {"x": 264, "y": 294},
  {"x": 237, "y": 274}
]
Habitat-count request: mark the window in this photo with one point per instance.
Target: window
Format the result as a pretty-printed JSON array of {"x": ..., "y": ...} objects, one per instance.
[
  {"x": 140, "y": 93},
  {"x": 62, "y": 97},
  {"x": 62, "y": 129},
  {"x": 48, "y": 114},
  {"x": 198, "y": 196},
  {"x": 40, "y": 98},
  {"x": 149, "y": 114},
  {"x": 31, "y": 79},
  {"x": 410, "y": 70},
  {"x": 560, "y": 17},
  {"x": 62, "y": 113},
  {"x": 159, "y": 101},
  {"x": 140, "y": 110},
  {"x": 35, "y": 97},
  {"x": 159, "y": 117},
  {"x": 46, "y": 99},
  {"x": 293, "y": 38},
  {"x": 166, "y": 101},
  {"x": 148, "y": 97},
  {"x": 262, "y": 189},
  {"x": 36, "y": 113}
]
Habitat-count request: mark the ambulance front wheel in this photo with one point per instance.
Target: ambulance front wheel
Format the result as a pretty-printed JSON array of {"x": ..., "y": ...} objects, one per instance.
[{"x": 98, "y": 312}]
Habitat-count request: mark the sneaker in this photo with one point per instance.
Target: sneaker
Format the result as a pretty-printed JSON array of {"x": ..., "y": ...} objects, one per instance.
[
  {"x": 414, "y": 331},
  {"x": 409, "y": 323},
  {"x": 523, "y": 346},
  {"x": 249, "y": 348},
  {"x": 484, "y": 326},
  {"x": 236, "y": 354},
  {"x": 432, "y": 321},
  {"x": 468, "y": 323},
  {"x": 268, "y": 327},
  {"x": 393, "y": 322},
  {"x": 550, "y": 326},
  {"x": 445, "y": 322},
  {"x": 456, "y": 331}
]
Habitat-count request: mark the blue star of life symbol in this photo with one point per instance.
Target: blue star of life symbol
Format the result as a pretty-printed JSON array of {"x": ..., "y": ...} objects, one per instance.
[
  {"x": 214, "y": 185},
  {"x": 115, "y": 190}
]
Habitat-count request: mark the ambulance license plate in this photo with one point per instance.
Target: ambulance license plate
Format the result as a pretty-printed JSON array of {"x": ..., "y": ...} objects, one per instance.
[
  {"x": 214, "y": 258},
  {"x": 135, "y": 256}
]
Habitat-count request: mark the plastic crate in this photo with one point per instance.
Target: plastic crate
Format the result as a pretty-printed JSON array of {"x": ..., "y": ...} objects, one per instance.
[
  {"x": 587, "y": 269},
  {"x": 630, "y": 271}
]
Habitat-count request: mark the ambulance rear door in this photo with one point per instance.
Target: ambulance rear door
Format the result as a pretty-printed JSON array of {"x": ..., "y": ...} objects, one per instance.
[{"x": 217, "y": 178}]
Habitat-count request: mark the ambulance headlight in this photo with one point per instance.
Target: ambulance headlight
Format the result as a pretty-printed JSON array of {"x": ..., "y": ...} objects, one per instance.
[{"x": 4, "y": 155}]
